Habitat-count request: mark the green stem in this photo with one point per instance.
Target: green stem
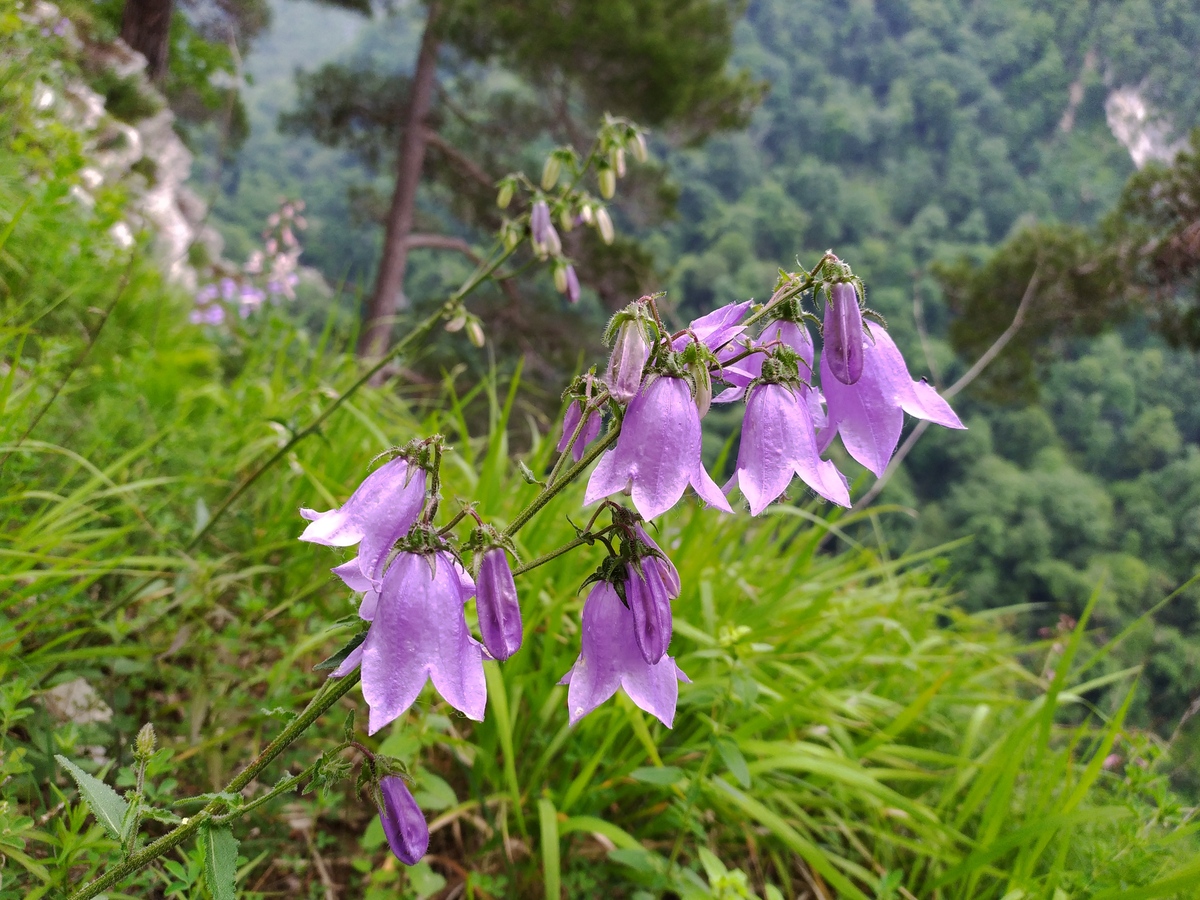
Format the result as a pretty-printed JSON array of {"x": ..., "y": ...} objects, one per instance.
[
  {"x": 418, "y": 333},
  {"x": 550, "y": 490},
  {"x": 588, "y": 409},
  {"x": 565, "y": 548},
  {"x": 327, "y": 696}
]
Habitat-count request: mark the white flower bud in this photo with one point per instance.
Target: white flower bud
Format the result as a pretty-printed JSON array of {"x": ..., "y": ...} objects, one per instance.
[
  {"x": 550, "y": 172},
  {"x": 640, "y": 152},
  {"x": 608, "y": 182},
  {"x": 604, "y": 225},
  {"x": 475, "y": 333},
  {"x": 560, "y": 279},
  {"x": 504, "y": 197}
]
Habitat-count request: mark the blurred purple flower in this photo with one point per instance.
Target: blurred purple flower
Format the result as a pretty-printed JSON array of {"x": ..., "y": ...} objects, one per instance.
[
  {"x": 379, "y": 512},
  {"x": 497, "y": 606},
  {"x": 228, "y": 288},
  {"x": 207, "y": 315},
  {"x": 571, "y": 421},
  {"x": 419, "y": 632},
  {"x": 843, "y": 335},
  {"x": 207, "y": 294},
  {"x": 402, "y": 820},
  {"x": 572, "y": 285},
  {"x": 609, "y": 658},
  {"x": 650, "y": 603},
  {"x": 539, "y": 222},
  {"x": 778, "y": 441},
  {"x": 869, "y": 414},
  {"x": 657, "y": 453}
]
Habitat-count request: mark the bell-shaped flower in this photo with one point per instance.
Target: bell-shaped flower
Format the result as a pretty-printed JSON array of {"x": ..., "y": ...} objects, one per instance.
[
  {"x": 418, "y": 632},
  {"x": 497, "y": 606},
  {"x": 717, "y": 328},
  {"x": 869, "y": 414},
  {"x": 630, "y": 352},
  {"x": 572, "y": 285},
  {"x": 657, "y": 453},
  {"x": 666, "y": 569},
  {"x": 380, "y": 512},
  {"x": 843, "y": 334},
  {"x": 609, "y": 658},
  {"x": 790, "y": 334},
  {"x": 650, "y": 604},
  {"x": 539, "y": 222},
  {"x": 402, "y": 820},
  {"x": 779, "y": 441},
  {"x": 590, "y": 432}
]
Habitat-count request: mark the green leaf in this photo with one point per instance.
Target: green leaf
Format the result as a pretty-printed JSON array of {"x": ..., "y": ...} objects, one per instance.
[
  {"x": 220, "y": 861},
  {"x": 424, "y": 881},
  {"x": 433, "y": 792},
  {"x": 663, "y": 775},
  {"x": 106, "y": 804},
  {"x": 735, "y": 762},
  {"x": 338, "y": 658}
]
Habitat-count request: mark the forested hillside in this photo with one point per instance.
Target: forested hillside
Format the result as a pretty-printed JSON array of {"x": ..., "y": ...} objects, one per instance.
[{"x": 906, "y": 136}]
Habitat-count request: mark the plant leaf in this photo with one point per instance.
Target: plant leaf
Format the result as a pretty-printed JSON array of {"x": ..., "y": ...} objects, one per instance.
[
  {"x": 220, "y": 861},
  {"x": 106, "y": 804},
  {"x": 338, "y": 658}
]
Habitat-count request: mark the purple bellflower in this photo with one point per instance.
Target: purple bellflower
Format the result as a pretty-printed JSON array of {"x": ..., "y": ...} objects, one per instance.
[
  {"x": 539, "y": 222},
  {"x": 590, "y": 432},
  {"x": 572, "y": 285},
  {"x": 418, "y": 631},
  {"x": 779, "y": 441},
  {"x": 609, "y": 658},
  {"x": 657, "y": 453},
  {"x": 717, "y": 328},
  {"x": 869, "y": 414},
  {"x": 630, "y": 352},
  {"x": 650, "y": 603},
  {"x": 741, "y": 373},
  {"x": 380, "y": 512},
  {"x": 843, "y": 335},
  {"x": 497, "y": 606},
  {"x": 402, "y": 820}
]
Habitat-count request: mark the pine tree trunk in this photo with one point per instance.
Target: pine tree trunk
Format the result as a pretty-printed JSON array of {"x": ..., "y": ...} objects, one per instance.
[
  {"x": 146, "y": 27},
  {"x": 388, "y": 294}
]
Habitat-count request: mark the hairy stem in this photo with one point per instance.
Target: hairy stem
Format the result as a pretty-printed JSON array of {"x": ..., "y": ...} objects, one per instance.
[
  {"x": 327, "y": 696},
  {"x": 565, "y": 548},
  {"x": 550, "y": 490}
]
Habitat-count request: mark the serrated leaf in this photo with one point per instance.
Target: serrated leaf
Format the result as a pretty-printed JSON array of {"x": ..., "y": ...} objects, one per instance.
[
  {"x": 106, "y": 804},
  {"x": 338, "y": 658},
  {"x": 220, "y": 861},
  {"x": 161, "y": 815}
]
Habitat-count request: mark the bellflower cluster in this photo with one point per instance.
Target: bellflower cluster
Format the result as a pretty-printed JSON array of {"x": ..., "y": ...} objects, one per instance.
[{"x": 646, "y": 412}]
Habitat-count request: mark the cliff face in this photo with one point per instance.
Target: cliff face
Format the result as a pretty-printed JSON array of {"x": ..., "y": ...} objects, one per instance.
[
  {"x": 145, "y": 155},
  {"x": 1143, "y": 133}
]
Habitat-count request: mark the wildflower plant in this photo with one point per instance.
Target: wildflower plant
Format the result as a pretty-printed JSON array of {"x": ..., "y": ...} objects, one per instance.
[{"x": 635, "y": 435}]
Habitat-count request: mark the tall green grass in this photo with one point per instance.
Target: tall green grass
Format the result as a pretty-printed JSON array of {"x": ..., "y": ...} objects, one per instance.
[{"x": 847, "y": 733}]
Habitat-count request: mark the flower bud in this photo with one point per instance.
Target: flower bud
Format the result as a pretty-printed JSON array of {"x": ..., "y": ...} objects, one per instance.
[
  {"x": 539, "y": 221},
  {"x": 604, "y": 225},
  {"x": 572, "y": 285},
  {"x": 143, "y": 746},
  {"x": 457, "y": 323},
  {"x": 475, "y": 332},
  {"x": 565, "y": 220},
  {"x": 651, "y": 608},
  {"x": 497, "y": 606},
  {"x": 553, "y": 243},
  {"x": 560, "y": 279},
  {"x": 585, "y": 213},
  {"x": 608, "y": 182},
  {"x": 550, "y": 171},
  {"x": 640, "y": 152},
  {"x": 703, "y": 387},
  {"x": 403, "y": 823},
  {"x": 505, "y": 195},
  {"x": 630, "y": 354},
  {"x": 618, "y": 161},
  {"x": 844, "y": 334}
]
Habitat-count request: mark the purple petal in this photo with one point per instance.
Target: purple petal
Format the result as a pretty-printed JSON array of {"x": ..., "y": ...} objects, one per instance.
[
  {"x": 596, "y": 675},
  {"x": 570, "y": 423},
  {"x": 572, "y": 285},
  {"x": 591, "y": 431},
  {"x": 419, "y": 631},
  {"x": 917, "y": 398},
  {"x": 843, "y": 335},
  {"x": 349, "y": 664},
  {"x": 352, "y": 576},
  {"x": 368, "y": 606},
  {"x": 796, "y": 337},
  {"x": 497, "y": 605},
  {"x": 717, "y": 328},
  {"x": 765, "y": 468},
  {"x": 655, "y": 689},
  {"x": 386, "y": 498},
  {"x": 651, "y": 609},
  {"x": 667, "y": 570},
  {"x": 403, "y": 822},
  {"x": 392, "y": 516},
  {"x": 866, "y": 414},
  {"x": 630, "y": 352}
]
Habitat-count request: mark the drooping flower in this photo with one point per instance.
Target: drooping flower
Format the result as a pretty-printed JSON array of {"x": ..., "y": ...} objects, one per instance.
[
  {"x": 630, "y": 352},
  {"x": 666, "y": 569},
  {"x": 609, "y": 658},
  {"x": 539, "y": 221},
  {"x": 402, "y": 820},
  {"x": 379, "y": 512},
  {"x": 572, "y": 285},
  {"x": 650, "y": 604},
  {"x": 497, "y": 606},
  {"x": 843, "y": 334},
  {"x": 419, "y": 631},
  {"x": 717, "y": 328},
  {"x": 779, "y": 441},
  {"x": 869, "y": 414},
  {"x": 657, "y": 453},
  {"x": 590, "y": 432},
  {"x": 790, "y": 334}
]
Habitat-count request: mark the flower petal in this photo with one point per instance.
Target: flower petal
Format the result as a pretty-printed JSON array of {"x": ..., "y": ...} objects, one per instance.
[
  {"x": 866, "y": 414},
  {"x": 403, "y": 822}
]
